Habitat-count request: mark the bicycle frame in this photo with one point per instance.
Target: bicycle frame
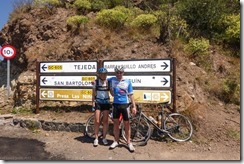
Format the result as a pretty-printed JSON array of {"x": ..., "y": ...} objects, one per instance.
[
  {"x": 141, "y": 114},
  {"x": 175, "y": 125}
]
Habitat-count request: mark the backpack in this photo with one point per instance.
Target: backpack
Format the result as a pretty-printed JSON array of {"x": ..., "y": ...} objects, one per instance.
[{"x": 102, "y": 88}]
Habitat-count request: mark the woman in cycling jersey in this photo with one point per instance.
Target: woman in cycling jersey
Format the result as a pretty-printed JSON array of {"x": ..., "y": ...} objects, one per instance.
[
  {"x": 122, "y": 91},
  {"x": 101, "y": 103}
]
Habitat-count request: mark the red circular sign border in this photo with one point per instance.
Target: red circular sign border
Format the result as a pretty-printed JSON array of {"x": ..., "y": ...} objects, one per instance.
[{"x": 7, "y": 57}]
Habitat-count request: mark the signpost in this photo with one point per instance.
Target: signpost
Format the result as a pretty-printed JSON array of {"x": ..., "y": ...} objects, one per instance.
[
  {"x": 153, "y": 65},
  {"x": 68, "y": 67},
  {"x": 152, "y": 96},
  {"x": 66, "y": 94},
  {"x": 153, "y": 80},
  {"x": 149, "y": 81},
  {"x": 1, "y": 57},
  {"x": 141, "y": 96},
  {"x": 67, "y": 81},
  {"x": 8, "y": 52}
]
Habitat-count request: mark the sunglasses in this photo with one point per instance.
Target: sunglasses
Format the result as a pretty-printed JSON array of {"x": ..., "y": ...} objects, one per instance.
[{"x": 119, "y": 72}]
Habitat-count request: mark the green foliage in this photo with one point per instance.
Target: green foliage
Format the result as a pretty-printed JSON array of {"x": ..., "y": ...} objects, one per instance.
[
  {"x": 197, "y": 46},
  {"x": 177, "y": 26},
  {"x": 231, "y": 26},
  {"x": 199, "y": 52},
  {"x": 77, "y": 20},
  {"x": 231, "y": 91},
  {"x": 144, "y": 21},
  {"x": 202, "y": 15},
  {"x": 20, "y": 110},
  {"x": 97, "y": 5},
  {"x": 123, "y": 9},
  {"x": 111, "y": 18},
  {"x": 82, "y": 4},
  {"x": 217, "y": 20},
  {"x": 114, "y": 3},
  {"x": 54, "y": 3},
  {"x": 233, "y": 134}
]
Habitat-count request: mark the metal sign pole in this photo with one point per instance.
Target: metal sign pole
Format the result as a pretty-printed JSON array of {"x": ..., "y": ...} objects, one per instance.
[
  {"x": 37, "y": 87},
  {"x": 8, "y": 52},
  {"x": 8, "y": 78}
]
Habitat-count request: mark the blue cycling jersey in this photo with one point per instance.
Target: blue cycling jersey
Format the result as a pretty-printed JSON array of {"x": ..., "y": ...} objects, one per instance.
[{"x": 121, "y": 90}]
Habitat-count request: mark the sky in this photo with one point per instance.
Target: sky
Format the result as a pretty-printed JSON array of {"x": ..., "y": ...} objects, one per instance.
[{"x": 6, "y": 7}]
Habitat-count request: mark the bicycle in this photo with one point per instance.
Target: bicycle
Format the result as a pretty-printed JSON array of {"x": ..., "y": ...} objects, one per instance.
[
  {"x": 89, "y": 126},
  {"x": 177, "y": 126}
]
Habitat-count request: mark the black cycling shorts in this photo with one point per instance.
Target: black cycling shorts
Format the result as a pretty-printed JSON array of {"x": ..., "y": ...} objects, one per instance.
[
  {"x": 102, "y": 107},
  {"x": 123, "y": 109}
]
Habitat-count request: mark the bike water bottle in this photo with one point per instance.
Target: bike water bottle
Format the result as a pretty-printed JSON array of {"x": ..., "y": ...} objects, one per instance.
[
  {"x": 93, "y": 109},
  {"x": 152, "y": 119},
  {"x": 159, "y": 120}
]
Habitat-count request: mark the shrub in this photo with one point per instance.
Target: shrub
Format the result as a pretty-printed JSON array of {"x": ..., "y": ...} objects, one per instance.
[
  {"x": 98, "y": 5},
  {"x": 199, "y": 52},
  {"x": 53, "y": 3},
  {"x": 231, "y": 91},
  {"x": 82, "y": 4},
  {"x": 144, "y": 21},
  {"x": 197, "y": 46},
  {"x": 231, "y": 27},
  {"x": 111, "y": 18},
  {"x": 177, "y": 26},
  {"x": 77, "y": 20},
  {"x": 232, "y": 32}
]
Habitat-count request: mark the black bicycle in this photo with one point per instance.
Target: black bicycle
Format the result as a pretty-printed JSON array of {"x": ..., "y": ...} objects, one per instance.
[{"x": 177, "y": 126}]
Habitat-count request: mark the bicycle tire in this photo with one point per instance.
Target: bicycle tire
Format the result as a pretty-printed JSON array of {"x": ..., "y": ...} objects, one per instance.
[
  {"x": 178, "y": 126},
  {"x": 140, "y": 131},
  {"x": 89, "y": 127}
]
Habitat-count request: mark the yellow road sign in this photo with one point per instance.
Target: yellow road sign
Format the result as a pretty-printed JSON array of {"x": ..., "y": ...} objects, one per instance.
[
  {"x": 141, "y": 96},
  {"x": 152, "y": 96},
  {"x": 55, "y": 67},
  {"x": 66, "y": 94}
]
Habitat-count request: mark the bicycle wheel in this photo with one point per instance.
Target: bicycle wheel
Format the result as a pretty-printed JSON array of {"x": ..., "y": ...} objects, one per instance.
[
  {"x": 140, "y": 131},
  {"x": 89, "y": 127},
  {"x": 178, "y": 126}
]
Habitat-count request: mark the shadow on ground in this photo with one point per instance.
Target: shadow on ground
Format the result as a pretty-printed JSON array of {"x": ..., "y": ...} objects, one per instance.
[{"x": 21, "y": 149}]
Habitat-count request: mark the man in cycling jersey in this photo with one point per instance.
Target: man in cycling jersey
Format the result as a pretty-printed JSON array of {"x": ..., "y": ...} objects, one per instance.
[
  {"x": 101, "y": 103},
  {"x": 122, "y": 91}
]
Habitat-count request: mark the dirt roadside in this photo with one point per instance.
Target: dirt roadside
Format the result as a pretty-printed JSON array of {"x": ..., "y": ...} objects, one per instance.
[{"x": 76, "y": 146}]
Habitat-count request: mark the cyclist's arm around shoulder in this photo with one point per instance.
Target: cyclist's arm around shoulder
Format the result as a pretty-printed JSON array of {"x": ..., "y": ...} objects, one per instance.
[
  {"x": 93, "y": 93},
  {"x": 110, "y": 85}
]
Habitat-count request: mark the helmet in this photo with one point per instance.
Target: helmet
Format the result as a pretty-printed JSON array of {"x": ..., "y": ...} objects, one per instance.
[
  {"x": 102, "y": 70},
  {"x": 119, "y": 68}
]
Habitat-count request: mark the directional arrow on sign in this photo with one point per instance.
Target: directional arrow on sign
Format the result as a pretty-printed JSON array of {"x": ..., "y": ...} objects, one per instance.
[
  {"x": 165, "y": 66},
  {"x": 44, "y": 67},
  {"x": 44, "y": 80},
  {"x": 44, "y": 94},
  {"x": 165, "y": 81},
  {"x": 165, "y": 97}
]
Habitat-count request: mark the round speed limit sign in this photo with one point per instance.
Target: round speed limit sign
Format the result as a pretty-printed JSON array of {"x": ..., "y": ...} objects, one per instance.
[{"x": 8, "y": 52}]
